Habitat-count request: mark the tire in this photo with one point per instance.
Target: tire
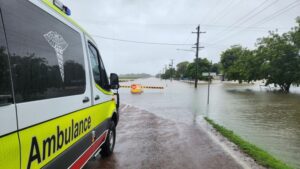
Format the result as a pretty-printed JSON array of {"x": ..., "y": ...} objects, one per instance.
[{"x": 109, "y": 144}]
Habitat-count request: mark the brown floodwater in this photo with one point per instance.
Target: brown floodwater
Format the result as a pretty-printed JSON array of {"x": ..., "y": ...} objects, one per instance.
[{"x": 270, "y": 120}]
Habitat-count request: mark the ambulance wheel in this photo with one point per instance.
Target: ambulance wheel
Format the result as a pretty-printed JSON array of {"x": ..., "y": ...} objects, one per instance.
[{"x": 109, "y": 144}]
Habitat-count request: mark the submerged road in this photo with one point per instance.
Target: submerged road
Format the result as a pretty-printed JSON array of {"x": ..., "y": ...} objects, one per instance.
[{"x": 146, "y": 141}]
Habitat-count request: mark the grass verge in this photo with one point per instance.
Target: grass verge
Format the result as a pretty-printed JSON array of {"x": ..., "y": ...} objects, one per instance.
[{"x": 260, "y": 156}]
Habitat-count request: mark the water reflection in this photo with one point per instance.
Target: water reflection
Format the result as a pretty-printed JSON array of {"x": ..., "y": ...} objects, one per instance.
[
  {"x": 5, "y": 84},
  {"x": 267, "y": 119}
]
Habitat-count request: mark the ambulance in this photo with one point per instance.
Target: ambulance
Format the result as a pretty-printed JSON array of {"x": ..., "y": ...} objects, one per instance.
[{"x": 57, "y": 107}]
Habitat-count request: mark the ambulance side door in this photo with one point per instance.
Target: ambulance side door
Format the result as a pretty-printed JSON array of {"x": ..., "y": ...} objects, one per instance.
[
  {"x": 100, "y": 84},
  {"x": 9, "y": 143},
  {"x": 50, "y": 76}
]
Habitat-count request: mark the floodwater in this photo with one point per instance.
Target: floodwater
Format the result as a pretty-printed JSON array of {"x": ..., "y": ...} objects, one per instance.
[{"x": 267, "y": 119}]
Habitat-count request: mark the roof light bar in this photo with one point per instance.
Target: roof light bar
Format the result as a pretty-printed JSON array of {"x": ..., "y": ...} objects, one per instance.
[
  {"x": 67, "y": 10},
  {"x": 62, "y": 7},
  {"x": 58, "y": 4}
]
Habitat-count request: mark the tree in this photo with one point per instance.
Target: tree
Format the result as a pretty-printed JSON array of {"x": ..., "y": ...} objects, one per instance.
[
  {"x": 250, "y": 66},
  {"x": 276, "y": 59},
  {"x": 295, "y": 34},
  {"x": 170, "y": 73},
  {"x": 203, "y": 66},
  {"x": 181, "y": 69},
  {"x": 235, "y": 63},
  {"x": 5, "y": 85},
  {"x": 229, "y": 57},
  {"x": 281, "y": 60},
  {"x": 216, "y": 67}
]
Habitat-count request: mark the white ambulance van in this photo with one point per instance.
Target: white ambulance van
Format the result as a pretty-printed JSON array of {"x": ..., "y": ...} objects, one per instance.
[{"x": 57, "y": 108}]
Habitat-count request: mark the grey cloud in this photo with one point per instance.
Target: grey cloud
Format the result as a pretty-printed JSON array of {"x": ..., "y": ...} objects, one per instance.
[{"x": 171, "y": 21}]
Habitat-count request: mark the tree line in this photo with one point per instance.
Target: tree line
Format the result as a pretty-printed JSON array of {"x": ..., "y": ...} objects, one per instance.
[
  {"x": 275, "y": 59},
  {"x": 187, "y": 70}
]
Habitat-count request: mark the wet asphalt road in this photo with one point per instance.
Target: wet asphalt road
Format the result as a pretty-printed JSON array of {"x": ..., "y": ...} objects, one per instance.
[{"x": 145, "y": 141}]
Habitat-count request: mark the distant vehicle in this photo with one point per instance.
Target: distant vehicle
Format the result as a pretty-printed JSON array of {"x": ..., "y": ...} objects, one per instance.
[
  {"x": 57, "y": 109},
  {"x": 136, "y": 89}
]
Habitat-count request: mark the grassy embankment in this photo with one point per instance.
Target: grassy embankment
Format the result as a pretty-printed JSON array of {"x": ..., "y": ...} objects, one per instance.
[{"x": 260, "y": 156}]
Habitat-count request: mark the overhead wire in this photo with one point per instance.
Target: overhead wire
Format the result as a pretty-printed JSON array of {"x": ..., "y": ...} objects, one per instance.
[
  {"x": 223, "y": 13},
  {"x": 142, "y": 42},
  {"x": 278, "y": 13},
  {"x": 156, "y": 43},
  {"x": 215, "y": 42},
  {"x": 264, "y": 20},
  {"x": 187, "y": 24},
  {"x": 211, "y": 10},
  {"x": 248, "y": 16},
  {"x": 237, "y": 27}
]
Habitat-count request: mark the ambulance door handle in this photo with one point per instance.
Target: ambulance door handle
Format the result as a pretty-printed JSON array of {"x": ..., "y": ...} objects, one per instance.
[
  {"x": 97, "y": 97},
  {"x": 86, "y": 99}
]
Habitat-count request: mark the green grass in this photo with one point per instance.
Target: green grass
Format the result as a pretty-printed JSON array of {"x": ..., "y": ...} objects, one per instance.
[{"x": 260, "y": 156}]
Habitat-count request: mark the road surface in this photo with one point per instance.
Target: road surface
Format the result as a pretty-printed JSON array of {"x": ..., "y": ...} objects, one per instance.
[{"x": 145, "y": 141}]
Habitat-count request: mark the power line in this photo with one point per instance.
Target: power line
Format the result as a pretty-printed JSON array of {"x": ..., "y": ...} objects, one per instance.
[
  {"x": 223, "y": 13},
  {"x": 211, "y": 26},
  {"x": 278, "y": 13},
  {"x": 187, "y": 50},
  {"x": 255, "y": 14},
  {"x": 264, "y": 20},
  {"x": 248, "y": 16},
  {"x": 237, "y": 27},
  {"x": 142, "y": 42},
  {"x": 182, "y": 24},
  {"x": 189, "y": 37},
  {"x": 211, "y": 10},
  {"x": 156, "y": 43}
]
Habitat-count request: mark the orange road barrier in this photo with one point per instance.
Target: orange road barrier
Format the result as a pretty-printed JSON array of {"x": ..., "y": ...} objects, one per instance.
[
  {"x": 152, "y": 87},
  {"x": 145, "y": 87},
  {"x": 122, "y": 86}
]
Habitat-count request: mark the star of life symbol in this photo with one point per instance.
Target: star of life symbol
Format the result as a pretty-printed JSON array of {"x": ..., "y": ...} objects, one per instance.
[{"x": 57, "y": 42}]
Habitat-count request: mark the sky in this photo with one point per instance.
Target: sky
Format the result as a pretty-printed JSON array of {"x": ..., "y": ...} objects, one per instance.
[{"x": 170, "y": 22}]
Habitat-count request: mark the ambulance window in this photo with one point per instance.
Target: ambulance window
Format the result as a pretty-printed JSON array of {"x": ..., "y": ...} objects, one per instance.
[
  {"x": 5, "y": 83},
  {"x": 46, "y": 55},
  {"x": 99, "y": 73},
  {"x": 95, "y": 64},
  {"x": 104, "y": 79}
]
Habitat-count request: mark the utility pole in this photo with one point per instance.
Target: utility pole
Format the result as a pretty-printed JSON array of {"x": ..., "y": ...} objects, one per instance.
[
  {"x": 209, "y": 81},
  {"x": 166, "y": 68},
  {"x": 161, "y": 72},
  {"x": 197, "y": 52},
  {"x": 171, "y": 69}
]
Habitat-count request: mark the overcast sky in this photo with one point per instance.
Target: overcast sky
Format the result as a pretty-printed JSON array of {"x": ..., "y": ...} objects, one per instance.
[{"x": 226, "y": 22}]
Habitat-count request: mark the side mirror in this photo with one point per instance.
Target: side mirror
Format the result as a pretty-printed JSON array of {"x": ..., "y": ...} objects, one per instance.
[{"x": 114, "y": 81}]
